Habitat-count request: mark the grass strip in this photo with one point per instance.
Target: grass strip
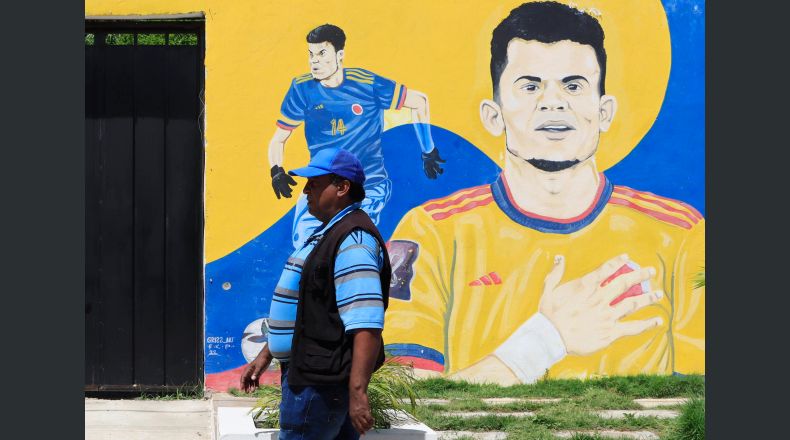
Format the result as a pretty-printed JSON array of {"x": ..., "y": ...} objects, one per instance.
[{"x": 633, "y": 387}]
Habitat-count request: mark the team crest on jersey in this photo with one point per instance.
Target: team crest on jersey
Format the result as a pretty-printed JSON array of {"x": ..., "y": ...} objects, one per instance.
[
  {"x": 356, "y": 109},
  {"x": 403, "y": 254}
]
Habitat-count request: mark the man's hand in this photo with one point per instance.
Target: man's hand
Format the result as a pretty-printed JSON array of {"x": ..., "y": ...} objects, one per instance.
[
  {"x": 282, "y": 182},
  {"x": 430, "y": 163},
  {"x": 367, "y": 343},
  {"x": 359, "y": 411},
  {"x": 580, "y": 309},
  {"x": 252, "y": 374}
]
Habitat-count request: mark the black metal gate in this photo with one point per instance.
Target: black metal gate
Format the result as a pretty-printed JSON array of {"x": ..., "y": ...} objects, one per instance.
[{"x": 144, "y": 205}]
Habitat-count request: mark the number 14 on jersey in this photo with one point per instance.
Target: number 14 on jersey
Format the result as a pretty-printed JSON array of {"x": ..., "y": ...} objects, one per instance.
[{"x": 338, "y": 127}]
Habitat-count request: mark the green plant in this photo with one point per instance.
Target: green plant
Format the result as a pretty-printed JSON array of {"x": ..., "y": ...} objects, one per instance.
[
  {"x": 699, "y": 279},
  {"x": 266, "y": 411},
  {"x": 390, "y": 393},
  {"x": 182, "y": 392},
  {"x": 690, "y": 425}
]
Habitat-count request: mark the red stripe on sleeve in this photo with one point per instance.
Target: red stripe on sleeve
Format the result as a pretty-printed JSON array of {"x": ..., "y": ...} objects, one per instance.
[
  {"x": 655, "y": 214},
  {"x": 402, "y": 97},
  {"x": 638, "y": 196}
]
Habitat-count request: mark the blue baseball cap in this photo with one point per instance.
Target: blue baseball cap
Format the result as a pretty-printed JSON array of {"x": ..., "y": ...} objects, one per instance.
[{"x": 333, "y": 161}]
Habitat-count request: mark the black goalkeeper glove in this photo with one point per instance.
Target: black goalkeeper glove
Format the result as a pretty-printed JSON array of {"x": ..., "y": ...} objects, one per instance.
[
  {"x": 282, "y": 182},
  {"x": 430, "y": 163}
]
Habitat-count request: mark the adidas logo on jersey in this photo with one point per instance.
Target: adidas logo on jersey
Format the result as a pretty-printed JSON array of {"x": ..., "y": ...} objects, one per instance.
[{"x": 487, "y": 280}]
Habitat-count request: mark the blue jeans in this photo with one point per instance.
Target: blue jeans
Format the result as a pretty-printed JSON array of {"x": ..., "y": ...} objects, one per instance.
[{"x": 314, "y": 412}]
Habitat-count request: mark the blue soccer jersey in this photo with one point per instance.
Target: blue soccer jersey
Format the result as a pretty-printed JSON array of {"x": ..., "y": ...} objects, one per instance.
[{"x": 349, "y": 116}]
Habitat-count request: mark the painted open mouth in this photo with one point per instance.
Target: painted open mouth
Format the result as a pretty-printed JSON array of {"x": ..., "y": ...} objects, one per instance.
[{"x": 555, "y": 127}]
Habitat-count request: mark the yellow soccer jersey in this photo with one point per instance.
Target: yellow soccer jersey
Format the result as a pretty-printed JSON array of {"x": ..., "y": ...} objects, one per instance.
[{"x": 469, "y": 269}]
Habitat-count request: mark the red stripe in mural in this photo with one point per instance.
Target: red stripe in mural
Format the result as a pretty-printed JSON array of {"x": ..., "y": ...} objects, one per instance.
[
  {"x": 655, "y": 214},
  {"x": 467, "y": 207},
  {"x": 477, "y": 192},
  {"x": 402, "y": 97},
  {"x": 285, "y": 126},
  {"x": 230, "y": 379},
  {"x": 638, "y": 196},
  {"x": 423, "y": 364}
]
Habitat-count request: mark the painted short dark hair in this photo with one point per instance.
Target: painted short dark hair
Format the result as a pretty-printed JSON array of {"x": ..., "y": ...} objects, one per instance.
[
  {"x": 546, "y": 22},
  {"x": 329, "y": 33}
]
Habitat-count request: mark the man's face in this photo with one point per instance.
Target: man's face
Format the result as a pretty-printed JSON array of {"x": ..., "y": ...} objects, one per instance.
[
  {"x": 322, "y": 197},
  {"x": 324, "y": 60},
  {"x": 550, "y": 103}
]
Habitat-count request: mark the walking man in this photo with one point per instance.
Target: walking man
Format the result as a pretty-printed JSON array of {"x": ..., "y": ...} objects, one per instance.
[{"x": 327, "y": 310}]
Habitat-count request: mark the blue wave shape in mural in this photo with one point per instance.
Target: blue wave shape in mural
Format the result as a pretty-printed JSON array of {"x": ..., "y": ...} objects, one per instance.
[{"x": 239, "y": 285}]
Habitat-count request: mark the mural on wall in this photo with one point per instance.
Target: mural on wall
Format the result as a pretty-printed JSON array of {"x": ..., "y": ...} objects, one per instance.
[
  {"x": 344, "y": 108},
  {"x": 551, "y": 269},
  {"x": 542, "y": 247}
]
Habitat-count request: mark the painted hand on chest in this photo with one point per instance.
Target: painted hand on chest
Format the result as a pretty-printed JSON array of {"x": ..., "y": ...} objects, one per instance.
[{"x": 587, "y": 311}]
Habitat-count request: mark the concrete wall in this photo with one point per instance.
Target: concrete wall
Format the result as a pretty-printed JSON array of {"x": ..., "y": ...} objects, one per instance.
[{"x": 655, "y": 144}]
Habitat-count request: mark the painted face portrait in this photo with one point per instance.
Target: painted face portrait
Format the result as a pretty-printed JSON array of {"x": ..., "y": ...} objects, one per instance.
[
  {"x": 549, "y": 103},
  {"x": 324, "y": 60}
]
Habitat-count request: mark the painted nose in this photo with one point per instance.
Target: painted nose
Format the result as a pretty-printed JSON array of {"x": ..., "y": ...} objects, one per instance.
[
  {"x": 552, "y": 100},
  {"x": 552, "y": 106}
]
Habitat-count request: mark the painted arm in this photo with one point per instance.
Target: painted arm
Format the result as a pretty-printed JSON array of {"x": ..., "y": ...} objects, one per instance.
[
  {"x": 421, "y": 114},
  {"x": 281, "y": 182},
  {"x": 277, "y": 146},
  {"x": 418, "y": 103}
]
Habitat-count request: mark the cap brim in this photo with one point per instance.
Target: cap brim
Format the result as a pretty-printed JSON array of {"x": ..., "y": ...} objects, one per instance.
[{"x": 309, "y": 172}]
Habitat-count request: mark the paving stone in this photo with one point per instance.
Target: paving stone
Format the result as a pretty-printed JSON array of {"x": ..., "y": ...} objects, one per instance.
[
  {"x": 489, "y": 401},
  {"x": 654, "y": 403},
  {"x": 430, "y": 401},
  {"x": 468, "y": 414},
  {"x": 225, "y": 399},
  {"x": 637, "y": 435},
  {"x": 147, "y": 420},
  {"x": 506, "y": 400},
  {"x": 621, "y": 413},
  {"x": 486, "y": 435}
]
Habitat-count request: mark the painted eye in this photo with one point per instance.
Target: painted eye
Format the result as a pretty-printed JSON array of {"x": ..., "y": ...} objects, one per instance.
[
  {"x": 573, "y": 87},
  {"x": 529, "y": 87}
]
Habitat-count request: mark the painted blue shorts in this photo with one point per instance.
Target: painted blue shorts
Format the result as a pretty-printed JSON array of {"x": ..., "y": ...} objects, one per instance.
[
  {"x": 315, "y": 413},
  {"x": 376, "y": 196}
]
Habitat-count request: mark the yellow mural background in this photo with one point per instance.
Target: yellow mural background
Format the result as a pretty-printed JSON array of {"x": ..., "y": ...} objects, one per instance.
[{"x": 254, "y": 48}]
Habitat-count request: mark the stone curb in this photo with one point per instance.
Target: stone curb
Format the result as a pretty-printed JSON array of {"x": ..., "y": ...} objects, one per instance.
[
  {"x": 470, "y": 414},
  {"x": 654, "y": 403},
  {"x": 621, "y": 413},
  {"x": 488, "y": 435},
  {"x": 636, "y": 435}
]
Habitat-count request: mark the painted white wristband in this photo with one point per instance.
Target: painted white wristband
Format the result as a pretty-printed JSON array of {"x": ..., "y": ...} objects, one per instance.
[{"x": 532, "y": 349}]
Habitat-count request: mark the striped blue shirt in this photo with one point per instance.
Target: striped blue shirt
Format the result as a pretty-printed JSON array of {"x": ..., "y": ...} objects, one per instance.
[{"x": 357, "y": 285}]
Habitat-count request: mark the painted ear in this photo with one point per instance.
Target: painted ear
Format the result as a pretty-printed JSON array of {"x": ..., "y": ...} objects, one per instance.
[
  {"x": 491, "y": 115},
  {"x": 607, "y": 110},
  {"x": 340, "y": 54}
]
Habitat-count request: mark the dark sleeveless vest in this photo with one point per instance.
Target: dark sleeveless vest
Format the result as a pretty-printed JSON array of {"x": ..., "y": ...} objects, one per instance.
[{"x": 320, "y": 350}]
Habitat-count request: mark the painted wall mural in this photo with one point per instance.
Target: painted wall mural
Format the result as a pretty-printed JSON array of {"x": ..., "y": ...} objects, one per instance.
[{"x": 559, "y": 230}]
